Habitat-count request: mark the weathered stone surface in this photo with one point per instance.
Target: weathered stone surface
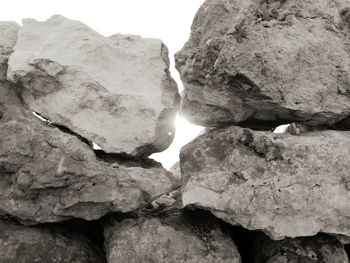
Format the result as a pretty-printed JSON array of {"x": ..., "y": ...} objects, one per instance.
[
  {"x": 8, "y": 96},
  {"x": 20, "y": 244},
  {"x": 8, "y": 38},
  {"x": 116, "y": 92},
  {"x": 284, "y": 185},
  {"x": 171, "y": 238},
  {"x": 259, "y": 63},
  {"x": 320, "y": 248},
  {"x": 49, "y": 175}
]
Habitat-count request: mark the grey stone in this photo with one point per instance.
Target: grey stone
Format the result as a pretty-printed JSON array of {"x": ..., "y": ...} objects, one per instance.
[
  {"x": 171, "y": 238},
  {"x": 49, "y": 175},
  {"x": 260, "y": 63},
  {"x": 116, "y": 92},
  {"x": 8, "y": 38},
  {"x": 283, "y": 185},
  {"x": 19, "y": 244},
  {"x": 320, "y": 248}
]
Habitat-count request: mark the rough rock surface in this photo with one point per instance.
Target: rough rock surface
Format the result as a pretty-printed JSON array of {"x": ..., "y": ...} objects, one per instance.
[
  {"x": 259, "y": 63},
  {"x": 20, "y": 244},
  {"x": 284, "y": 185},
  {"x": 8, "y": 38},
  {"x": 50, "y": 175},
  {"x": 318, "y": 249},
  {"x": 172, "y": 237},
  {"x": 97, "y": 87}
]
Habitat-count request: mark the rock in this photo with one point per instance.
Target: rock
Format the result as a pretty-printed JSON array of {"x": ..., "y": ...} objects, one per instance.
[
  {"x": 260, "y": 63},
  {"x": 175, "y": 170},
  {"x": 8, "y": 38},
  {"x": 283, "y": 185},
  {"x": 171, "y": 238},
  {"x": 8, "y": 96},
  {"x": 320, "y": 248},
  {"x": 116, "y": 92},
  {"x": 20, "y": 244},
  {"x": 50, "y": 175}
]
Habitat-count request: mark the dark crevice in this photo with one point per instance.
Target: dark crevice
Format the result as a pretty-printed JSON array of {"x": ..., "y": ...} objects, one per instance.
[
  {"x": 92, "y": 230},
  {"x": 126, "y": 160}
]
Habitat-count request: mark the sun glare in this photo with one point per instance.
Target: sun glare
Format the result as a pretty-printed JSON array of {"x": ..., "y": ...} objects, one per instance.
[{"x": 185, "y": 132}]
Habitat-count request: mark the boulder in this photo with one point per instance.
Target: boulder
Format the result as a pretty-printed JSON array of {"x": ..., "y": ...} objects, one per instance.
[
  {"x": 19, "y": 244},
  {"x": 261, "y": 63},
  {"x": 172, "y": 237},
  {"x": 116, "y": 92},
  {"x": 283, "y": 185},
  {"x": 48, "y": 174},
  {"x": 321, "y": 248},
  {"x": 8, "y": 38}
]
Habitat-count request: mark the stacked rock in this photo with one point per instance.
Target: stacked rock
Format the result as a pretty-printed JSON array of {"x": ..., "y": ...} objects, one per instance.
[
  {"x": 79, "y": 115},
  {"x": 248, "y": 67}
]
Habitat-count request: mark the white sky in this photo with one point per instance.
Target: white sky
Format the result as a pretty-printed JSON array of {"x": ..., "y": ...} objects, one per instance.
[{"x": 169, "y": 20}]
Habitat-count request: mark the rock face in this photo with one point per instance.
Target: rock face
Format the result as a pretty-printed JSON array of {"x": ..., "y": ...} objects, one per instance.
[
  {"x": 8, "y": 38},
  {"x": 20, "y": 244},
  {"x": 259, "y": 63},
  {"x": 171, "y": 238},
  {"x": 284, "y": 185},
  {"x": 97, "y": 87},
  {"x": 321, "y": 248},
  {"x": 50, "y": 175}
]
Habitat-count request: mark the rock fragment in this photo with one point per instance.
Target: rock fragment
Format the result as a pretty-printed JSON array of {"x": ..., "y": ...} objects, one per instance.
[
  {"x": 320, "y": 248},
  {"x": 172, "y": 237},
  {"x": 8, "y": 38},
  {"x": 49, "y": 175},
  {"x": 283, "y": 185},
  {"x": 264, "y": 63},
  {"x": 116, "y": 92},
  {"x": 20, "y": 244}
]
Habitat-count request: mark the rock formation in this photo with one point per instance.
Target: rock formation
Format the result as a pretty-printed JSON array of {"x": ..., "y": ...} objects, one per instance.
[
  {"x": 259, "y": 63},
  {"x": 80, "y": 113},
  {"x": 97, "y": 87},
  {"x": 20, "y": 244},
  {"x": 171, "y": 237}
]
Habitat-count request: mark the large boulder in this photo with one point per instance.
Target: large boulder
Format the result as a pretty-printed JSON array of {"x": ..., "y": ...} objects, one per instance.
[
  {"x": 189, "y": 237},
  {"x": 48, "y": 174},
  {"x": 116, "y": 92},
  {"x": 283, "y": 185},
  {"x": 258, "y": 63},
  {"x": 320, "y": 248},
  {"x": 20, "y": 244},
  {"x": 8, "y": 38}
]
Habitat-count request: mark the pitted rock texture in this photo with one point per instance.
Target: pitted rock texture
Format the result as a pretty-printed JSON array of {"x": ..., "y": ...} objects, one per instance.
[
  {"x": 8, "y": 38},
  {"x": 172, "y": 237},
  {"x": 259, "y": 63},
  {"x": 49, "y": 175},
  {"x": 20, "y": 244},
  {"x": 8, "y": 96},
  {"x": 318, "y": 249},
  {"x": 283, "y": 185},
  {"x": 116, "y": 92}
]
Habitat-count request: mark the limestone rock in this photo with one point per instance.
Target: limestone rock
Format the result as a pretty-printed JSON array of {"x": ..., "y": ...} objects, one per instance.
[
  {"x": 8, "y": 96},
  {"x": 320, "y": 248},
  {"x": 20, "y": 244},
  {"x": 283, "y": 185},
  {"x": 8, "y": 38},
  {"x": 259, "y": 63},
  {"x": 49, "y": 175},
  {"x": 171, "y": 238},
  {"x": 116, "y": 92}
]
